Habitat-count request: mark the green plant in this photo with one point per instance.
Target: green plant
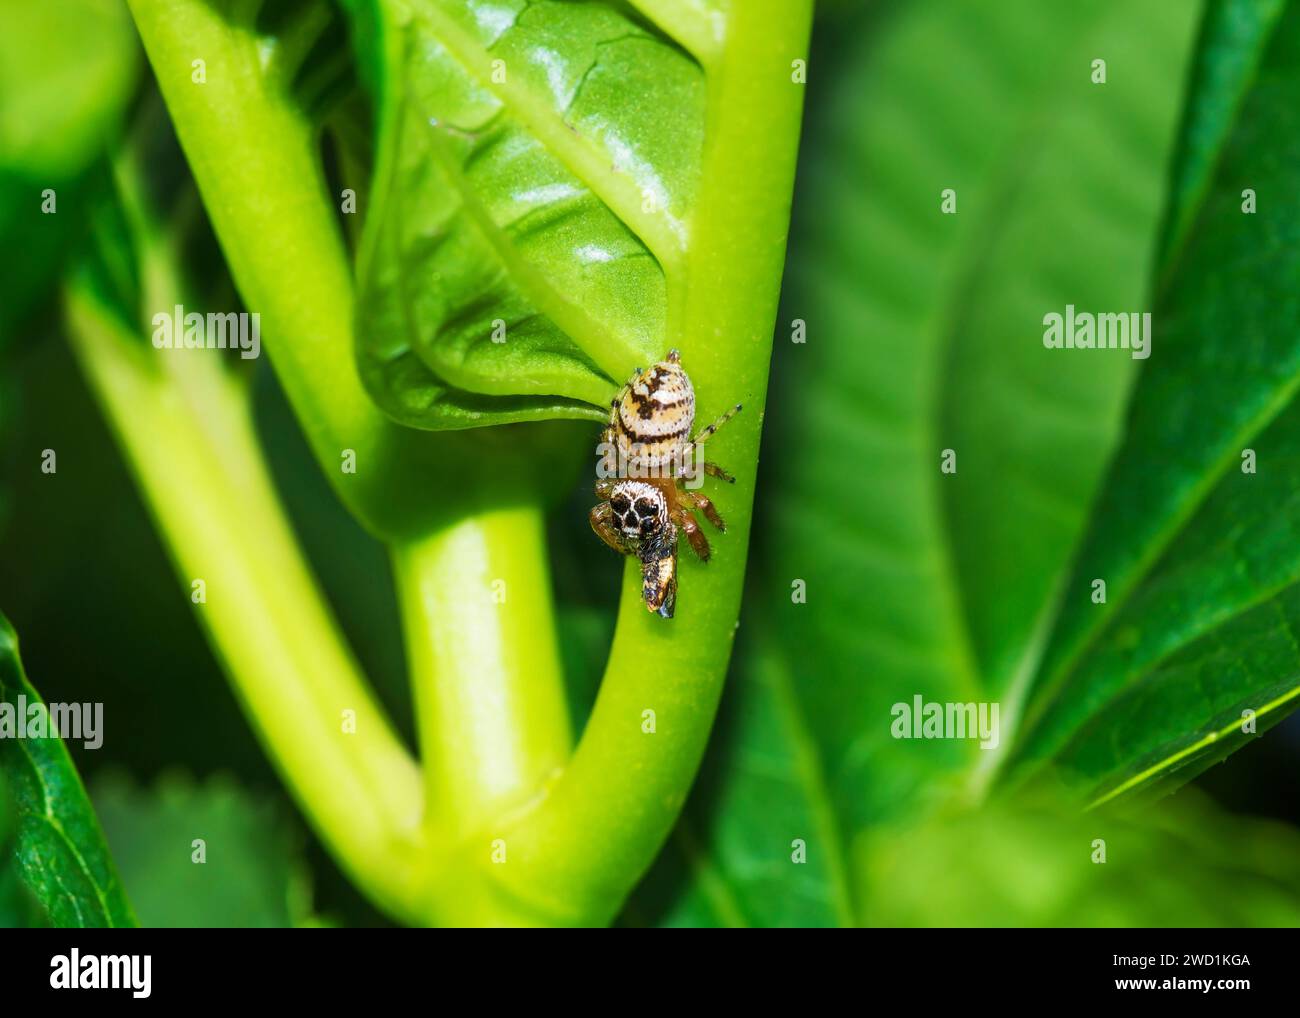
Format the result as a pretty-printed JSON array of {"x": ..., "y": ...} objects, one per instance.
[
  {"x": 396, "y": 185},
  {"x": 504, "y": 198}
]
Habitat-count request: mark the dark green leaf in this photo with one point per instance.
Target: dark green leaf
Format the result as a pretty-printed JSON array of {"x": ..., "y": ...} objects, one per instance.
[
  {"x": 1233, "y": 38},
  {"x": 58, "y": 847},
  {"x": 1200, "y": 556},
  {"x": 18, "y": 909}
]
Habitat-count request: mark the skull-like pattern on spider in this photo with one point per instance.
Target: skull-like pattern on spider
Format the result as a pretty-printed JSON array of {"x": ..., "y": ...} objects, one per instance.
[{"x": 640, "y": 510}]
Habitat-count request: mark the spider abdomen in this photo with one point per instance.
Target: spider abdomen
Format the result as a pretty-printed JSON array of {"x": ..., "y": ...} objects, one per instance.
[{"x": 653, "y": 416}]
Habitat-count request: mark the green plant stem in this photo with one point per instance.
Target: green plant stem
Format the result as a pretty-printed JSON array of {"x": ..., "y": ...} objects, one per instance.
[
  {"x": 255, "y": 156},
  {"x": 579, "y": 851},
  {"x": 186, "y": 429},
  {"x": 575, "y": 852},
  {"x": 489, "y": 691}
]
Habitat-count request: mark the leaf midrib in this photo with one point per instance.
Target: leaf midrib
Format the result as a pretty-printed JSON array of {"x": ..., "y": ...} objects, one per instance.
[
  {"x": 664, "y": 235},
  {"x": 607, "y": 349},
  {"x": 1196, "y": 497},
  {"x": 1023, "y": 677},
  {"x": 813, "y": 776},
  {"x": 1013, "y": 166},
  {"x": 1156, "y": 770},
  {"x": 1136, "y": 678}
]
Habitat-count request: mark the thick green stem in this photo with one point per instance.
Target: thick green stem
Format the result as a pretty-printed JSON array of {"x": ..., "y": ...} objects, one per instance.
[
  {"x": 489, "y": 692},
  {"x": 580, "y": 851},
  {"x": 255, "y": 157},
  {"x": 186, "y": 429},
  {"x": 489, "y": 735},
  {"x": 573, "y": 853}
]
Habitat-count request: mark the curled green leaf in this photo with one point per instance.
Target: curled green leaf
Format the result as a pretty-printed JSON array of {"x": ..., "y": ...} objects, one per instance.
[{"x": 536, "y": 175}]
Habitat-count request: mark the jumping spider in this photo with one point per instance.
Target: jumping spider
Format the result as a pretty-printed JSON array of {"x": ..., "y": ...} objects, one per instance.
[{"x": 641, "y": 514}]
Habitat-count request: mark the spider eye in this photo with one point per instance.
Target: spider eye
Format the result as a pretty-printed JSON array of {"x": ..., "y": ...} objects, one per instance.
[
  {"x": 649, "y": 524},
  {"x": 644, "y": 507},
  {"x": 620, "y": 504}
]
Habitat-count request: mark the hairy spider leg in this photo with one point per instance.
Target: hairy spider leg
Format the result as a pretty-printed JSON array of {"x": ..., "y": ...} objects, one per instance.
[
  {"x": 713, "y": 470},
  {"x": 706, "y": 433},
  {"x": 699, "y": 543},
  {"x": 705, "y": 505},
  {"x": 602, "y": 522}
]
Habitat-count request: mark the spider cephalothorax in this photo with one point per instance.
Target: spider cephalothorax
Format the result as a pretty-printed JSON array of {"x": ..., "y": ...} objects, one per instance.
[{"x": 649, "y": 438}]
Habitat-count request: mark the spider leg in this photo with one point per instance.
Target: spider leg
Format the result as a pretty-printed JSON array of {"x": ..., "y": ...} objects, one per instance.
[
  {"x": 713, "y": 470},
  {"x": 708, "y": 432},
  {"x": 607, "y": 452},
  {"x": 694, "y": 462},
  {"x": 659, "y": 578},
  {"x": 689, "y": 526},
  {"x": 702, "y": 502},
  {"x": 602, "y": 522},
  {"x": 604, "y": 489}
]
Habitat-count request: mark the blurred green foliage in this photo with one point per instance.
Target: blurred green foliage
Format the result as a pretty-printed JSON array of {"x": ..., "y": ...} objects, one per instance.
[
  {"x": 247, "y": 870},
  {"x": 67, "y": 71},
  {"x": 1188, "y": 865}
]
